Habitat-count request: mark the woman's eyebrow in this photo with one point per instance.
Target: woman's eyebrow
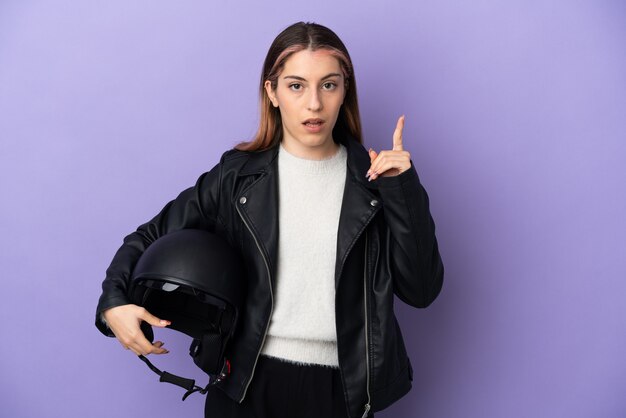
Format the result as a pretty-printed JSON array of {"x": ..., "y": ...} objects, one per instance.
[{"x": 296, "y": 77}]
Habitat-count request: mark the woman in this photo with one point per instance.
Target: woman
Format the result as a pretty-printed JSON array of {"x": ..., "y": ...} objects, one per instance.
[{"x": 318, "y": 337}]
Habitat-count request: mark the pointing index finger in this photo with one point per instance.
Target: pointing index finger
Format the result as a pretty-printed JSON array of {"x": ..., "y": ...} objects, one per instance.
[{"x": 397, "y": 135}]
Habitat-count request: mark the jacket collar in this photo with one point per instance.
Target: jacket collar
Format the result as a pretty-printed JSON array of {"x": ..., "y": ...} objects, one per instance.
[{"x": 358, "y": 161}]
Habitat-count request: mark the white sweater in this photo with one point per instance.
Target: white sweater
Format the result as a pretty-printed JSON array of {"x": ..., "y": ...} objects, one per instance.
[{"x": 302, "y": 327}]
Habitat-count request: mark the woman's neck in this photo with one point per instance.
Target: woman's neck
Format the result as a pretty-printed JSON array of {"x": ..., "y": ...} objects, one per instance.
[{"x": 318, "y": 152}]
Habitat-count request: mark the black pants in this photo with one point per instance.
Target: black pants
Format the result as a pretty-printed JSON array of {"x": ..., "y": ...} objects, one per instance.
[{"x": 280, "y": 389}]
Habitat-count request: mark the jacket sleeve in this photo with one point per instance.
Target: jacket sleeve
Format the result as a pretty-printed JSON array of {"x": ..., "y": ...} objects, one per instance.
[
  {"x": 195, "y": 207},
  {"x": 416, "y": 264}
]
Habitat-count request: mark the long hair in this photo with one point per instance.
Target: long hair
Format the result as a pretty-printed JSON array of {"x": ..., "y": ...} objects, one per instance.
[{"x": 298, "y": 37}]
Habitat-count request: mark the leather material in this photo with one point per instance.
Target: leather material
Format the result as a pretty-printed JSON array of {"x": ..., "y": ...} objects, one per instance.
[{"x": 386, "y": 245}]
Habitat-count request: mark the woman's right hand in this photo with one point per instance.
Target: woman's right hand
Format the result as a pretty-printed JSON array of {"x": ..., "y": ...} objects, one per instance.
[{"x": 125, "y": 322}]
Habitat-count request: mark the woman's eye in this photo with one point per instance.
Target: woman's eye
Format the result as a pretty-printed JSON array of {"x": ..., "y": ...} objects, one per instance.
[
  {"x": 329, "y": 86},
  {"x": 295, "y": 87}
]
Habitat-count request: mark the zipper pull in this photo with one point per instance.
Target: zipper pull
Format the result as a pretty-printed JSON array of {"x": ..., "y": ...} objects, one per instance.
[{"x": 367, "y": 410}]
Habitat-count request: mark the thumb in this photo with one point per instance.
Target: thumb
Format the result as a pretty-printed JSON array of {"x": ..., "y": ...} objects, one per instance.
[{"x": 154, "y": 321}]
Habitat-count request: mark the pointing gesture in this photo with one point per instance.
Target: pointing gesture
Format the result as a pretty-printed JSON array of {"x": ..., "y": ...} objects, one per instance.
[
  {"x": 390, "y": 162},
  {"x": 397, "y": 134}
]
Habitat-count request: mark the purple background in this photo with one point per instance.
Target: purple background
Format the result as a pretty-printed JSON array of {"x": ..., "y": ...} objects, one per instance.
[{"x": 516, "y": 121}]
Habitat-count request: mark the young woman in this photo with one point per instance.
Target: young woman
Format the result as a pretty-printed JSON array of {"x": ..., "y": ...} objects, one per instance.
[{"x": 329, "y": 232}]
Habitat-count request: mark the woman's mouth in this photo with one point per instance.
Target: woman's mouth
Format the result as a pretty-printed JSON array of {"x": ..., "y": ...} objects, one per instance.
[{"x": 313, "y": 125}]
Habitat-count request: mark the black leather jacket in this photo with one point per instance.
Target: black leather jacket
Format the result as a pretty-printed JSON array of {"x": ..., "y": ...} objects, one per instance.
[{"x": 386, "y": 245}]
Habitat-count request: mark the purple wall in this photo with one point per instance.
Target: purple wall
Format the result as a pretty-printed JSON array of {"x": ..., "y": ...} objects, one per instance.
[{"x": 516, "y": 120}]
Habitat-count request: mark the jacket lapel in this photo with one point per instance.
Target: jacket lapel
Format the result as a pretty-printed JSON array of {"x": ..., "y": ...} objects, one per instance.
[
  {"x": 359, "y": 204},
  {"x": 258, "y": 202}
]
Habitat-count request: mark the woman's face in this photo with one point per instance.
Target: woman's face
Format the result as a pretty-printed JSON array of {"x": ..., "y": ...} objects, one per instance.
[{"x": 309, "y": 93}]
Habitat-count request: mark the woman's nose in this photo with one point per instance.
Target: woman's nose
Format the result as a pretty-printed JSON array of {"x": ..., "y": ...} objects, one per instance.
[{"x": 315, "y": 101}]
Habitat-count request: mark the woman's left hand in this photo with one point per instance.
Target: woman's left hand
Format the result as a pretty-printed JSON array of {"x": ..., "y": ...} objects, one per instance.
[{"x": 390, "y": 162}]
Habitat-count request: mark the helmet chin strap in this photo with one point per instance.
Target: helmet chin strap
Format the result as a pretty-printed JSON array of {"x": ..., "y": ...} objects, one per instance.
[
  {"x": 206, "y": 351},
  {"x": 188, "y": 384}
]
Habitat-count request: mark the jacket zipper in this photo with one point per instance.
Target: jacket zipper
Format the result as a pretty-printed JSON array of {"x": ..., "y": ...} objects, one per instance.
[
  {"x": 271, "y": 306},
  {"x": 367, "y": 406},
  {"x": 367, "y": 347}
]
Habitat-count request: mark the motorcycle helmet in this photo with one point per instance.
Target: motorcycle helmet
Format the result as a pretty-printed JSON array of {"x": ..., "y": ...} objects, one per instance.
[{"x": 196, "y": 280}]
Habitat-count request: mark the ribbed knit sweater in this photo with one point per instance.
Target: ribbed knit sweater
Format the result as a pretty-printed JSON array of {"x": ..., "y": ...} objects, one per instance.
[{"x": 302, "y": 327}]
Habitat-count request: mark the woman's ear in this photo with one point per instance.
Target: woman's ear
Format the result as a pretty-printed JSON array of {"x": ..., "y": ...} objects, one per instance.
[{"x": 270, "y": 92}]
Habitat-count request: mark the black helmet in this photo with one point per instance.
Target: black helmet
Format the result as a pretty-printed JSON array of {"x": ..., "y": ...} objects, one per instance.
[{"x": 195, "y": 279}]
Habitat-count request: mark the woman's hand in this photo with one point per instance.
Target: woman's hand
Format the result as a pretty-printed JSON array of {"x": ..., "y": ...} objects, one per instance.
[
  {"x": 125, "y": 322},
  {"x": 390, "y": 163}
]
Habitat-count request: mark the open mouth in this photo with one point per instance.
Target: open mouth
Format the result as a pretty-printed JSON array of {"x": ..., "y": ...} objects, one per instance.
[{"x": 313, "y": 123}]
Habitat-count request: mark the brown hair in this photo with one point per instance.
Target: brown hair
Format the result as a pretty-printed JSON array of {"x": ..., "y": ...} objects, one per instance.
[{"x": 297, "y": 37}]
